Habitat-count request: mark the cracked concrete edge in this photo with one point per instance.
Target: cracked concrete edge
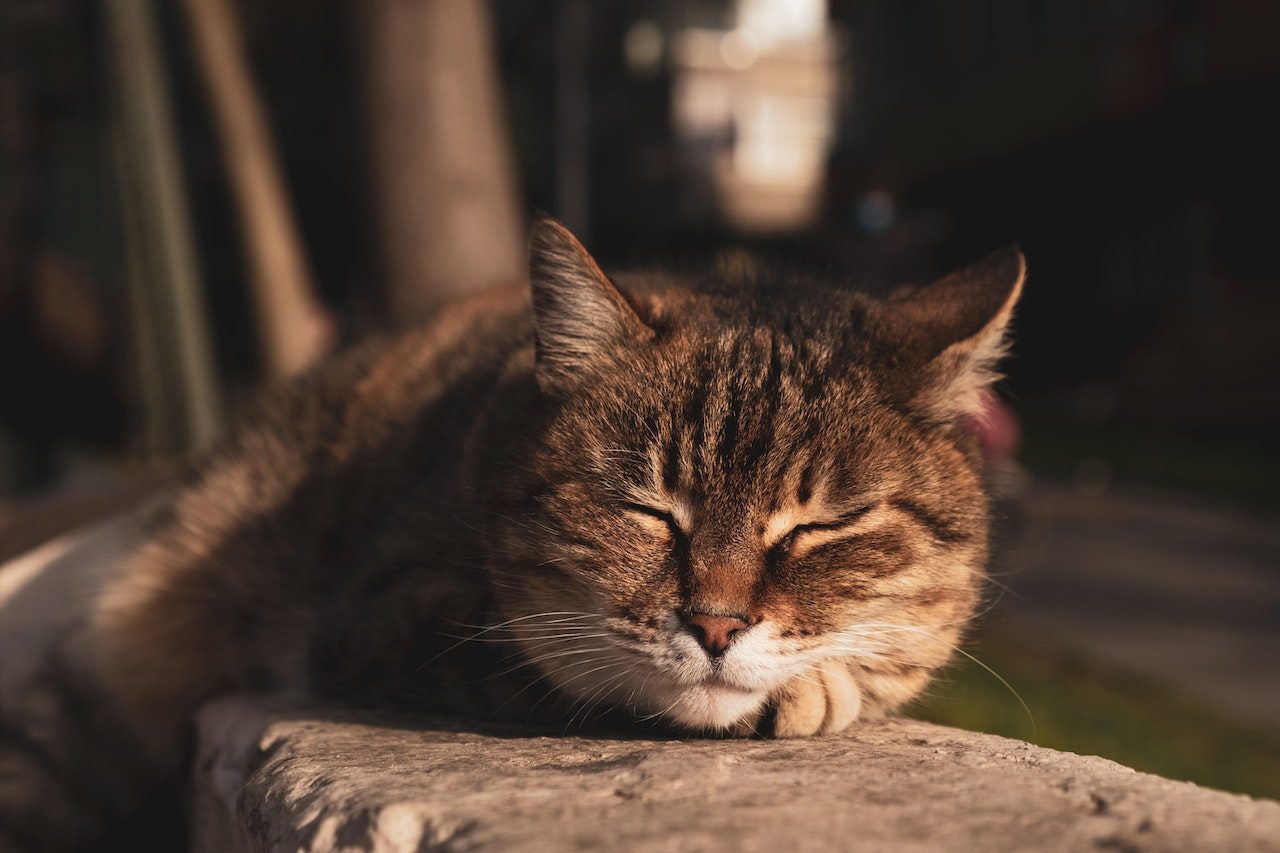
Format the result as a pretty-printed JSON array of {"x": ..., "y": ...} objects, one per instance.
[{"x": 269, "y": 777}]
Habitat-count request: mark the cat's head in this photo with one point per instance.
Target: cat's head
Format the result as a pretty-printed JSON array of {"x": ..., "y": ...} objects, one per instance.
[{"x": 741, "y": 477}]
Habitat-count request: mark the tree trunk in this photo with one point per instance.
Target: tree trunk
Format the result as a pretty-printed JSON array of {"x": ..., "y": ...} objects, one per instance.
[
  {"x": 292, "y": 326},
  {"x": 444, "y": 185}
]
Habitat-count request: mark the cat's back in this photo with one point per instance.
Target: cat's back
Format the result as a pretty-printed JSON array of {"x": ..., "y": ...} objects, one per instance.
[
  {"x": 343, "y": 448},
  {"x": 385, "y": 391}
]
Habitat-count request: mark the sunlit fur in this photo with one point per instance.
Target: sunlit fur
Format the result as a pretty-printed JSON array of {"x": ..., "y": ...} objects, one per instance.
[
  {"x": 728, "y": 431},
  {"x": 752, "y": 407},
  {"x": 507, "y": 510}
]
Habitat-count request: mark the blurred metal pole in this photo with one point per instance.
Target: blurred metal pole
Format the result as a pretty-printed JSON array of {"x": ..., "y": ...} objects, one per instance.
[
  {"x": 292, "y": 326},
  {"x": 444, "y": 183},
  {"x": 166, "y": 281},
  {"x": 573, "y": 143}
]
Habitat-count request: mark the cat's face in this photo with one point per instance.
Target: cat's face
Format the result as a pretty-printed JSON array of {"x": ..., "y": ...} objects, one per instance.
[{"x": 738, "y": 485}]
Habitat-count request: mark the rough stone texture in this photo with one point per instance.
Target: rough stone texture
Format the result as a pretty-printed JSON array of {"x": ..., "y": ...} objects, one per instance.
[{"x": 271, "y": 778}]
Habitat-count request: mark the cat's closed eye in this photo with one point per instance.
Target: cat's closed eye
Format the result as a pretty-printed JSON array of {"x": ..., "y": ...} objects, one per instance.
[
  {"x": 666, "y": 517},
  {"x": 812, "y": 533}
]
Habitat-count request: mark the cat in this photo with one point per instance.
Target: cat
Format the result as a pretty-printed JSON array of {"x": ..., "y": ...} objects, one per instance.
[{"x": 729, "y": 503}]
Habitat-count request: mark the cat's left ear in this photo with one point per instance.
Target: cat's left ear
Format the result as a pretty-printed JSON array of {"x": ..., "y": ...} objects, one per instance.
[
  {"x": 959, "y": 326},
  {"x": 580, "y": 318}
]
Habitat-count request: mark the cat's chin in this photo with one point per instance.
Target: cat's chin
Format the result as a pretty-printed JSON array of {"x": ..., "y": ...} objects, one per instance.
[{"x": 710, "y": 706}]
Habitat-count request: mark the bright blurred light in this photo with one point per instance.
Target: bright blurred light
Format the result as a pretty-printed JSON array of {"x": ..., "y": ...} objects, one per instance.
[
  {"x": 754, "y": 108},
  {"x": 783, "y": 20},
  {"x": 739, "y": 49}
]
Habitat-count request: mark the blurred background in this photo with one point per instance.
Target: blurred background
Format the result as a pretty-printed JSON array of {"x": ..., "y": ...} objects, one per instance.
[{"x": 200, "y": 196}]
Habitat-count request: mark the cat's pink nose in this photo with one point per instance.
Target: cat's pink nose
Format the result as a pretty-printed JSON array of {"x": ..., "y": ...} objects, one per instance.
[{"x": 713, "y": 632}]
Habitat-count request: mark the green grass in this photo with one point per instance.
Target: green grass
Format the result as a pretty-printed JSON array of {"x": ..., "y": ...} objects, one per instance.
[{"x": 1083, "y": 708}]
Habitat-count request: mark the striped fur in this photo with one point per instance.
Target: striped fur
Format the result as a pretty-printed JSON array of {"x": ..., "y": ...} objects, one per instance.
[{"x": 506, "y": 511}]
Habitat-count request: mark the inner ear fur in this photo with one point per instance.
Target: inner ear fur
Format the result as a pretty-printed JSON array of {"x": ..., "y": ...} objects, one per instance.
[
  {"x": 580, "y": 316},
  {"x": 956, "y": 331}
]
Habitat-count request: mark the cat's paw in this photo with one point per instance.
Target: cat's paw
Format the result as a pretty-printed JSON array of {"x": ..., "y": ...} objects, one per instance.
[{"x": 823, "y": 700}]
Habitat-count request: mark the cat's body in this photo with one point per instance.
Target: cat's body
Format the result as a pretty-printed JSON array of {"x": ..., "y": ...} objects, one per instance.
[{"x": 728, "y": 505}]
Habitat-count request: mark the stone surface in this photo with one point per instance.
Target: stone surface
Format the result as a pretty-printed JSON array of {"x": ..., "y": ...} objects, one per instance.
[{"x": 271, "y": 778}]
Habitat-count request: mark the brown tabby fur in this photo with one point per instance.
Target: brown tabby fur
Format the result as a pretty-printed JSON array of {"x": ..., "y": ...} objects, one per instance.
[{"x": 509, "y": 511}]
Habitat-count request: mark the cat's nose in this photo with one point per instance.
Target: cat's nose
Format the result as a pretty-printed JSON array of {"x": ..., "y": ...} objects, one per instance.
[{"x": 713, "y": 632}]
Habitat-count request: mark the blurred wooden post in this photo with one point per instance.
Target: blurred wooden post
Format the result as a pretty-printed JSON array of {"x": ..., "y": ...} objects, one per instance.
[
  {"x": 573, "y": 129},
  {"x": 445, "y": 192},
  {"x": 166, "y": 295},
  {"x": 292, "y": 325}
]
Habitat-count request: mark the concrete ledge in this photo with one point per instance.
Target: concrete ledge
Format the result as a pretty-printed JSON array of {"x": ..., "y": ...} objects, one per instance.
[{"x": 268, "y": 778}]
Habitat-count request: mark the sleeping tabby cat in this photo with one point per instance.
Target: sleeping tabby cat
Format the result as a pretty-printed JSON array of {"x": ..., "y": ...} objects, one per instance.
[{"x": 730, "y": 504}]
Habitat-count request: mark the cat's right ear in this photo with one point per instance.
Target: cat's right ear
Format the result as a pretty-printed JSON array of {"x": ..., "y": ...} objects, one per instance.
[
  {"x": 580, "y": 318},
  {"x": 956, "y": 331}
]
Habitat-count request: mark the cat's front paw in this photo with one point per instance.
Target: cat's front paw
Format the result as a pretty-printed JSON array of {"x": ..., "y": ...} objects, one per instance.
[{"x": 823, "y": 700}]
